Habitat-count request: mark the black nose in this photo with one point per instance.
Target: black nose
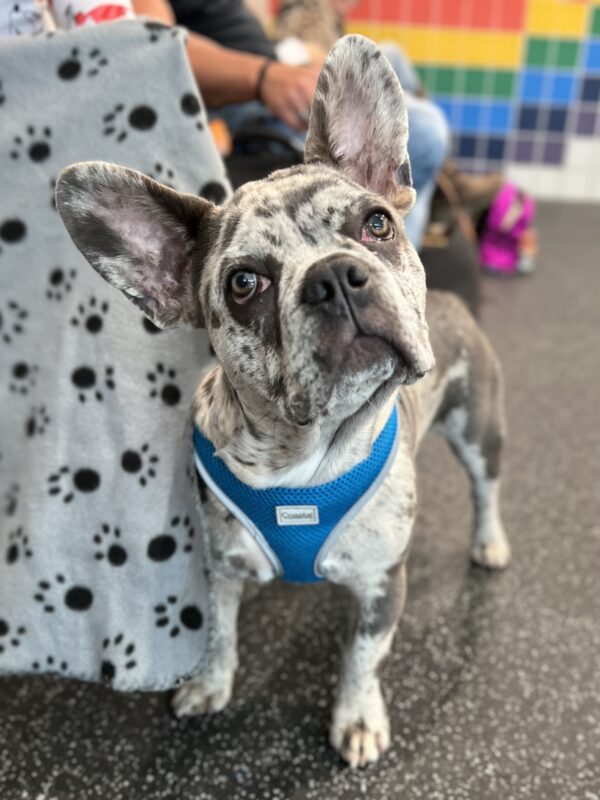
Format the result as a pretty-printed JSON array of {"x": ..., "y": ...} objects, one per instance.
[{"x": 334, "y": 283}]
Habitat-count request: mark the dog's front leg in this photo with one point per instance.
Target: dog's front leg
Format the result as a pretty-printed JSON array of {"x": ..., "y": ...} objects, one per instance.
[
  {"x": 360, "y": 729},
  {"x": 211, "y": 691}
]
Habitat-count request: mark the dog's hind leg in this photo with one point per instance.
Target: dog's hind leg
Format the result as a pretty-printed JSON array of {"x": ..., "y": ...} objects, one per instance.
[
  {"x": 471, "y": 418},
  {"x": 360, "y": 729}
]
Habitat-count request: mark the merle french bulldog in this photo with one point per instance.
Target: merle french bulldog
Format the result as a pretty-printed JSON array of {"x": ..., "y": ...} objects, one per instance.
[{"x": 329, "y": 370}]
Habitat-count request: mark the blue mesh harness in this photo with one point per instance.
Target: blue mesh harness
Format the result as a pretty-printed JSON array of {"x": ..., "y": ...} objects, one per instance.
[{"x": 296, "y": 527}]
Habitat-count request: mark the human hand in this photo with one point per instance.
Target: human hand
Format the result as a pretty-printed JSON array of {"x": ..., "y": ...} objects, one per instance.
[{"x": 287, "y": 91}]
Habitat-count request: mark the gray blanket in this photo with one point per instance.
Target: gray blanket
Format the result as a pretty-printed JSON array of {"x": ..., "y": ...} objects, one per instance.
[{"x": 102, "y": 571}]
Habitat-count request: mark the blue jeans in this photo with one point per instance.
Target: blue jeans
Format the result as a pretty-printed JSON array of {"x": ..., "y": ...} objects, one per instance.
[{"x": 428, "y": 139}]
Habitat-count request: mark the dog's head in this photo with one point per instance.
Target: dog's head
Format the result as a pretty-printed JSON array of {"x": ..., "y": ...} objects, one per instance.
[{"x": 312, "y": 295}]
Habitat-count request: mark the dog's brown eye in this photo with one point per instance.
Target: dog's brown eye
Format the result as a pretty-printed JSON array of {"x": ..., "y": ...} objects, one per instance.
[
  {"x": 378, "y": 226},
  {"x": 244, "y": 285}
]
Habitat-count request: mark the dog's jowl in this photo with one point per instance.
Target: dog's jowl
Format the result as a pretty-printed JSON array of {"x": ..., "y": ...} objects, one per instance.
[{"x": 329, "y": 369}]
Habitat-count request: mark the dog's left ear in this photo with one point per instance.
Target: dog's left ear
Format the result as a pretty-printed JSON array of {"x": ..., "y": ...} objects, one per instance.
[
  {"x": 145, "y": 239},
  {"x": 358, "y": 121}
]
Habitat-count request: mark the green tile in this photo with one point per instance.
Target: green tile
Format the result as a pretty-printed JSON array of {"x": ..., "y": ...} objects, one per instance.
[
  {"x": 504, "y": 84},
  {"x": 595, "y": 27},
  {"x": 427, "y": 75},
  {"x": 445, "y": 80},
  {"x": 568, "y": 54},
  {"x": 537, "y": 52},
  {"x": 474, "y": 82}
]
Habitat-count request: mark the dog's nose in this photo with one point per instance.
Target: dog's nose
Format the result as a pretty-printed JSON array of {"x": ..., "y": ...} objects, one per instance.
[{"x": 333, "y": 284}]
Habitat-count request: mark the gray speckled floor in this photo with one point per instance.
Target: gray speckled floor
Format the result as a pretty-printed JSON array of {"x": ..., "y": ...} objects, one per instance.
[{"x": 494, "y": 681}]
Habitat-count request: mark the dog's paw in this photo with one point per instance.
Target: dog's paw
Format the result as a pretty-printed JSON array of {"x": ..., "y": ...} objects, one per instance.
[
  {"x": 200, "y": 696},
  {"x": 494, "y": 554},
  {"x": 361, "y": 740}
]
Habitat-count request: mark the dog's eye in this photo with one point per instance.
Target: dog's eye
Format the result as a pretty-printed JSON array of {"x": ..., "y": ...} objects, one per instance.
[
  {"x": 378, "y": 226},
  {"x": 245, "y": 285}
]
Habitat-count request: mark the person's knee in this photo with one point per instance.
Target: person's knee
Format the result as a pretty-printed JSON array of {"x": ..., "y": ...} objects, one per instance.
[{"x": 428, "y": 141}]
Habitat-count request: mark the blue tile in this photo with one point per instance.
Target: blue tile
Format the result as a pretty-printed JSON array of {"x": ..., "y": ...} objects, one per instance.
[
  {"x": 449, "y": 109},
  {"x": 592, "y": 56},
  {"x": 532, "y": 84},
  {"x": 528, "y": 118},
  {"x": 557, "y": 120},
  {"x": 500, "y": 118},
  {"x": 495, "y": 149},
  {"x": 590, "y": 91},
  {"x": 467, "y": 146},
  {"x": 471, "y": 117},
  {"x": 563, "y": 88}
]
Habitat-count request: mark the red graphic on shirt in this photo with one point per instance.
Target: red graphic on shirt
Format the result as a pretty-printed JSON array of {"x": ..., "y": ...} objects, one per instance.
[{"x": 104, "y": 13}]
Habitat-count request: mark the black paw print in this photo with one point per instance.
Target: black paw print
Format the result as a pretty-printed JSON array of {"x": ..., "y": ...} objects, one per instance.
[
  {"x": 157, "y": 30},
  {"x": 140, "y": 118},
  {"x": 141, "y": 463},
  {"x": 64, "y": 483},
  {"x": 77, "y": 598},
  {"x": 213, "y": 191},
  {"x": 12, "y": 231},
  {"x": 163, "y": 385},
  {"x": 60, "y": 282},
  {"x": 112, "y": 551},
  {"x": 119, "y": 651},
  {"x": 35, "y": 143},
  {"x": 11, "y": 500},
  {"x": 10, "y": 637},
  {"x": 168, "y": 616},
  {"x": 90, "y": 316},
  {"x": 18, "y": 546},
  {"x": 50, "y": 664},
  {"x": 12, "y": 319},
  {"x": 150, "y": 327},
  {"x": 23, "y": 377},
  {"x": 72, "y": 67},
  {"x": 37, "y": 421},
  {"x": 164, "y": 546},
  {"x": 190, "y": 106},
  {"x": 89, "y": 383},
  {"x": 163, "y": 175}
]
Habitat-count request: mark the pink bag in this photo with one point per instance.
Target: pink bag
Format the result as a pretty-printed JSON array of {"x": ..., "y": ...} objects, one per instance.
[{"x": 507, "y": 241}]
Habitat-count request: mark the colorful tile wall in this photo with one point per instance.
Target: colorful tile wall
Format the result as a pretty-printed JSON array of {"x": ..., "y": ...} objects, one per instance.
[{"x": 519, "y": 81}]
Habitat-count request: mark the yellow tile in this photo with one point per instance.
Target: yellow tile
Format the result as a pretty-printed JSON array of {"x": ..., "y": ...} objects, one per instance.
[
  {"x": 453, "y": 47},
  {"x": 557, "y": 18}
]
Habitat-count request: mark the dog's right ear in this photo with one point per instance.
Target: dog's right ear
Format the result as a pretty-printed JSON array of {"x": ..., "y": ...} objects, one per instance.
[{"x": 141, "y": 237}]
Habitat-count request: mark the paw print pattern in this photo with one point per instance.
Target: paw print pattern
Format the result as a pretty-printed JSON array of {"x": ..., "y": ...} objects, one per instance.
[
  {"x": 157, "y": 30},
  {"x": 140, "y": 118},
  {"x": 163, "y": 385},
  {"x": 163, "y": 175},
  {"x": 36, "y": 144},
  {"x": 190, "y": 106},
  {"x": 117, "y": 654},
  {"x": 23, "y": 377},
  {"x": 37, "y": 422},
  {"x": 164, "y": 546},
  {"x": 12, "y": 321},
  {"x": 77, "y": 598},
  {"x": 73, "y": 66},
  {"x": 66, "y": 483},
  {"x": 90, "y": 316},
  {"x": 60, "y": 283},
  {"x": 51, "y": 664},
  {"x": 18, "y": 546},
  {"x": 12, "y": 231},
  {"x": 141, "y": 463},
  {"x": 150, "y": 327},
  {"x": 11, "y": 500},
  {"x": 168, "y": 616},
  {"x": 10, "y": 637},
  {"x": 89, "y": 383},
  {"x": 213, "y": 191},
  {"x": 109, "y": 546}
]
